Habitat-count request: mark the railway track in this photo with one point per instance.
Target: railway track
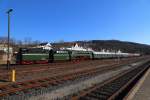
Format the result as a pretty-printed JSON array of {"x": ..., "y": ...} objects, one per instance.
[
  {"x": 113, "y": 89},
  {"x": 50, "y": 82},
  {"x": 50, "y": 70},
  {"x": 19, "y": 88},
  {"x": 39, "y": 66}
]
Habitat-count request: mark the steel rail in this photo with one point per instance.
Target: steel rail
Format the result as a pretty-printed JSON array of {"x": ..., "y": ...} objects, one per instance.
[
  {"x": 50, "y": 81},
  {"x": 102, "y": 92}
]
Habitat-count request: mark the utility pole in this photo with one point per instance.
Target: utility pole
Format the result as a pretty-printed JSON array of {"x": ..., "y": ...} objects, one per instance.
[{"x": 8, "y": 39}]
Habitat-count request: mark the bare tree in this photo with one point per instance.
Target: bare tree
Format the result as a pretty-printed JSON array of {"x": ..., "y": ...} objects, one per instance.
[
  {"x": 36, "y": 42},
  {"x": 28, "y": 41}
]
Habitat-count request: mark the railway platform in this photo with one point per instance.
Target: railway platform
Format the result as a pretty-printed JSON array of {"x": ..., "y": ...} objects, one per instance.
[{"x": 141, "y": 90}]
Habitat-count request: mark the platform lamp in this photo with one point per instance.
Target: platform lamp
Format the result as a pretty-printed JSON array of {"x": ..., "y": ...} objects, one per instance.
[{"x": 8, "y": 39}]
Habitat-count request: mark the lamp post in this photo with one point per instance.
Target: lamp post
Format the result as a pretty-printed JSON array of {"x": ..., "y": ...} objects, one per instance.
[{"x": 8, "y": 39}]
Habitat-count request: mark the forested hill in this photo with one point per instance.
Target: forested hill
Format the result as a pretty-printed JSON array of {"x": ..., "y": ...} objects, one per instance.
[{"x": 98, "y": 45}]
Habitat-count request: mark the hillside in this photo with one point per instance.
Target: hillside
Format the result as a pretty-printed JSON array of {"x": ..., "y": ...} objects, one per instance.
[{"x": 98, "y": 45}]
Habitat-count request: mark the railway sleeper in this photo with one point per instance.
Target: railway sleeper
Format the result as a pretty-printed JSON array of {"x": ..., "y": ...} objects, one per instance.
[
  {"x": 93, "y": 96},
  {"x": 108, "y": 89},
  {"x": 86, "y": 98},
  {"x": 101, "y": 92},
  {"x": 101, "y": 96}
]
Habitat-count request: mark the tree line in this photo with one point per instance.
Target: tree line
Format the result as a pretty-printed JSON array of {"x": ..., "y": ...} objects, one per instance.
[{"x": 97, "y": 45}]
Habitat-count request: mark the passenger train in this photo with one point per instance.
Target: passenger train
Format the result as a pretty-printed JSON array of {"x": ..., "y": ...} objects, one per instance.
[{"x": 76, "y": 53}]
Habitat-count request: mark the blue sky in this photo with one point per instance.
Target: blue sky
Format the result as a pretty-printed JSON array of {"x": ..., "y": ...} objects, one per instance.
[{"x": 70, "y": 20}]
